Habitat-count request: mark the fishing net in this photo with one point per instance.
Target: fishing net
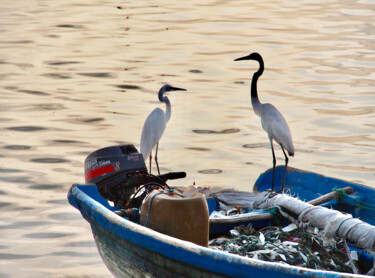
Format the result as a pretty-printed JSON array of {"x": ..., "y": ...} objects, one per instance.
[{"x": 293, "y": 246}]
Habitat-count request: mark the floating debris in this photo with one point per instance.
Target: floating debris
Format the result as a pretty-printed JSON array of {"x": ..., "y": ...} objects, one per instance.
[{"x": 291, "y": 245}]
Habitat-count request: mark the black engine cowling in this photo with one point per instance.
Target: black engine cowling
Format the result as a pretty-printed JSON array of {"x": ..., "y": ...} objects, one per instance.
[{"x": 118, "y": 171}]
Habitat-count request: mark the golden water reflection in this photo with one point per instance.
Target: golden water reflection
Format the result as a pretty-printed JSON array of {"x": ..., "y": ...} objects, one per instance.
[{"x": 79, "y": 76}]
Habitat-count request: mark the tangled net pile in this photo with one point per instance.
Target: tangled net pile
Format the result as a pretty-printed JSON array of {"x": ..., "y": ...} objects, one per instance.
[{"x": 298, "y": 247}]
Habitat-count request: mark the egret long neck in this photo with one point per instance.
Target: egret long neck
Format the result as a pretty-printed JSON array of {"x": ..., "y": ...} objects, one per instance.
[
  {"x": 169, "y": 110},
  {"x": 254, "y": 92},
  {"x": 165, "y": 100}
]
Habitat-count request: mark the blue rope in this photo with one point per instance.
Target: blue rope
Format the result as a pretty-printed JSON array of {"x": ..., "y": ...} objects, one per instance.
[{"x": 152, "y": 198}]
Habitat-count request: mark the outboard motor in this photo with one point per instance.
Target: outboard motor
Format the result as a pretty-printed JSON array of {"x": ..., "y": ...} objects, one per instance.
[{"x": 119, "y": 172}]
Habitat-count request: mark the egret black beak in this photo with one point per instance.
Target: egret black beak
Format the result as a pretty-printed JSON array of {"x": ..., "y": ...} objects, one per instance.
[
  {"x": 177, "y": 89},
  {"x": 243, "y": 58}
]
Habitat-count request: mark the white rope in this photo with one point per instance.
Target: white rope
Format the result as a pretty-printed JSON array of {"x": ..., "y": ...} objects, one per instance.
[{"x": 332, "y": 222}]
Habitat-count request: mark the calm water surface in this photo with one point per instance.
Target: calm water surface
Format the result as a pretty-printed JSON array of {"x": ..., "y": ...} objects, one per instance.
[{"x": 78, "y": 76}]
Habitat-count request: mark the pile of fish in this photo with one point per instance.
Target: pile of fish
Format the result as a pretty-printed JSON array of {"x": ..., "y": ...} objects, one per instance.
[{"x": 289, "y": 245}]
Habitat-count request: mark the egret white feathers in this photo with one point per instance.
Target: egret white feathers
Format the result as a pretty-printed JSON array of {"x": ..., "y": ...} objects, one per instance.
[
  {"x": 152, "y": 131},
  {"x": 272, "y": 120},
  {"x": 155, "y": 124}
]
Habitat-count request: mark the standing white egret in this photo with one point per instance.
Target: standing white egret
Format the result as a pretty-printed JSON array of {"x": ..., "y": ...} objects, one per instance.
[
  {"x": 272, "y": 120},
  {"x": 155, "y": 124}
]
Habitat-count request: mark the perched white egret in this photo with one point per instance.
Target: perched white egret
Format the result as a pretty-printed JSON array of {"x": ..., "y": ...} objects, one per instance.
[
  {"x": 155, "y": 124},
  {"x": 272, "y": 120}
]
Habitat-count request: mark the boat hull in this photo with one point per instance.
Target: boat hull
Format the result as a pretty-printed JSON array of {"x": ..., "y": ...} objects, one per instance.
[
  {"x": 131, "y": 250},
  {"x": 126, "y": 259}
]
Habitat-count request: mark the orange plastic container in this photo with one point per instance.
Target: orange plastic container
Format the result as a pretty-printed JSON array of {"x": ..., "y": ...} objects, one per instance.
[{"x": 186, "y": 218}]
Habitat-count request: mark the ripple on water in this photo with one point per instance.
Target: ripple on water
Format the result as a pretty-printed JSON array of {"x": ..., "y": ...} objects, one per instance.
[
  {"x": 17, "y": 147},
  {"x": 20, "y": 179},
  {"x": 81, "y": 243},
  {"x": 97, "y": 74},
  {"x": 224, "y": 131},
  {"x": 198, "y": 149},
  {"x": 52, "y": 36},
  {"x": 210, "y": 171},
  {"x": 66, "y": 142},
  {"x": 49, "y": 160},
  {"x": 28, "y": 128},
  {"x": 58, "y": 75},
  {"x": 89, "y": 120},
  {"x": 70, "y": 254},
  {"x": 3, "y": 120},
  {"x": 256, "y": 145},
  {"x": 9, "y": 170},
  {"x": 61, "y": 170},
  {"x": 65, "y": 216},
  {"x": 17, "y": 42},
  {"x": 46, "y": 186},
  {"x": 11, "y": 88},
  {"x": 24, "y": 224},
  {"x": 47, "y": 107},
  {"x": 59, "y": 202},
  {"x": 4, "y": 204},
  {"x": 34, "y": 92},
  {"x": 128, "y": 87},
  {"x": 69, "y": 26},
  {"x": 61, "y": 63},
  {"x": 195, "y": 71},
  {"x": 47, "y": 235},
  {"x": 10, "y": 256}
]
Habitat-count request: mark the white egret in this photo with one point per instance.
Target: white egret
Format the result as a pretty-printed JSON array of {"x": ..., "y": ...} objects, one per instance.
[
  {"x": 155, "y": 124},
  {"x": 272, "y": 120}
]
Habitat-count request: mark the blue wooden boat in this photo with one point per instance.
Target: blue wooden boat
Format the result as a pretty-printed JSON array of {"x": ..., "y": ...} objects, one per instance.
[{"x": 131, "y": 250}]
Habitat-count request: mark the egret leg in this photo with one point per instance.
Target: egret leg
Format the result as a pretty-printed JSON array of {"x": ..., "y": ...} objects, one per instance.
[
  {"x": 274, "y": 165},
  {"x": 150, "y": 164},
  {"x": 156, "y": 157},
  {"x": 286, "y": 166}
]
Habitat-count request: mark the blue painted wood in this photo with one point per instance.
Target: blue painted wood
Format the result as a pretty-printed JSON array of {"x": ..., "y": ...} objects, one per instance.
[
  {"x": 308, "y": 186},
  {"x": 131, "y": 250},
  {"x": 212, "y": 205}
]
